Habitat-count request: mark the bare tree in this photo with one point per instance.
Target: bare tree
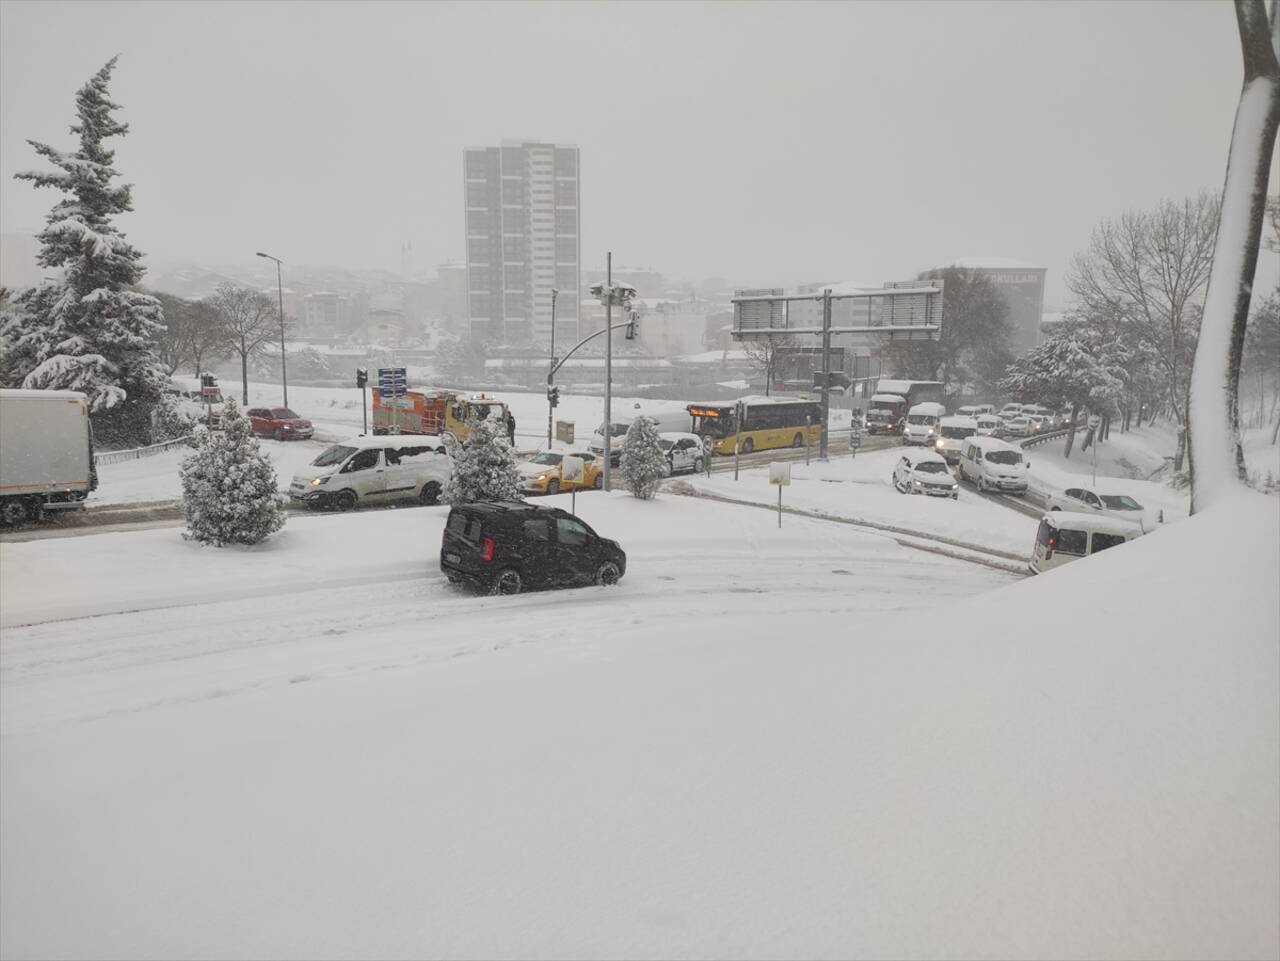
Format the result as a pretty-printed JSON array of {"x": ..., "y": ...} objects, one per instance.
[
  {"x": 1148, "y": 271},
  {"x": 208, "y": 338},
  {"x": 249, "y": 322},
  {"x": 1217, "y": 455},
  {"x": 764, "y": 354}
]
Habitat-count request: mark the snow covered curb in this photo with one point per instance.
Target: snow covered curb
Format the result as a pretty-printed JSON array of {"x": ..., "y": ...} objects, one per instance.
[{"x": 959, "y": 550}]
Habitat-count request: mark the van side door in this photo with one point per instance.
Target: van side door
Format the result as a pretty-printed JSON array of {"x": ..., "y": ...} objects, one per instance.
[{"x": 364, "y": 474}]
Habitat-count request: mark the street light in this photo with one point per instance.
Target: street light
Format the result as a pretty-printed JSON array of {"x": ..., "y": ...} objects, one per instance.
[
  {"x": 551, "y": 371},
  {"x": 284, "y": 379},
  {"x": 609, "y": 295}
]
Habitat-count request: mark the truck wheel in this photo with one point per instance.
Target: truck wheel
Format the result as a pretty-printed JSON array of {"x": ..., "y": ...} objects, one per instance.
[
  {"x": 430, "y": 493},
  {"x": 345, "y": 500},
  {"x": 797, "y": 441},
  {"x": 748, "y": 446},
  {"x": 553, "y": 486},
  {"x": 598, "y": 483},
  {"x": 14, "y": 511}
]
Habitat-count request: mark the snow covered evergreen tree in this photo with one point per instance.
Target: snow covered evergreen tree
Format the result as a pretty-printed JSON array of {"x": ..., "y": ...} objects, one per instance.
[
  {"x": 484, "y": 469},
  {"x": 90, "y": 330},
  {"x": 228, "y": 486},
  {"x": 1065, "y": 369},
  {"x": 169, "y": 421},
  {"x": 643, "y": 462}
]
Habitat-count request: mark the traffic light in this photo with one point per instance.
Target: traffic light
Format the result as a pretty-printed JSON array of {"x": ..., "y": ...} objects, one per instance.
[
  {"x": 553, "y": 396},
  {"x": 631, "y": 326},
  {"x": 362, "y": 376},
  {"x": 206, "y": 380}
]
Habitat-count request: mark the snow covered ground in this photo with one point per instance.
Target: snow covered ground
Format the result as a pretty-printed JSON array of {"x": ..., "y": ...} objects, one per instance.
[
  {"x": 796, "y": 743},
  {"x": 861, "y": 488},
  {"x": 336, "y": 414}
]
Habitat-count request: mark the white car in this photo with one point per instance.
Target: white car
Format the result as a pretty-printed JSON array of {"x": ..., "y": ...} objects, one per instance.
[
  {"x": 1120, "y": 506},
  {"x": 989, "y": 425},
  {"x": 924, "y": 472},
  {"x": 684, "y": 452},
  {"x": 1018, "y": 427},
  {"x": 374, "y": 470}
]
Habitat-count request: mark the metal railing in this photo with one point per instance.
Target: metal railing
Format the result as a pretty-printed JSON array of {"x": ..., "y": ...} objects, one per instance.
[
  {"x": 1046, "y": 437},
  {"x": 101, "y": 458}
]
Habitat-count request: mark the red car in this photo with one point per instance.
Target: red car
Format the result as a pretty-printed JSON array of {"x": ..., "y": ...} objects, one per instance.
[{"x": 279, "y": 423}]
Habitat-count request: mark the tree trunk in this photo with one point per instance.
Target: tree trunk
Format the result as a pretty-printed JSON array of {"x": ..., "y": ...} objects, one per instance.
[
  {"x": 1217, "y": 456},
  {"x": 1071, "y": 430},
  {"x": 244, "y": 373}
]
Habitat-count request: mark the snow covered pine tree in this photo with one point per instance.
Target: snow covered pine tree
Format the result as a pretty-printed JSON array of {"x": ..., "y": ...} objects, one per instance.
[
  {"x": 484, "y": 468},
  {"x": 643, "y": 462},
  {"x": 89, "y": 330},
  {"x": 228, "y": 487}
]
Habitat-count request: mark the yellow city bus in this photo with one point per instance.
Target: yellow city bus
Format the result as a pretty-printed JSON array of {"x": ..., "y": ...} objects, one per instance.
[{"x": 768, "y": 424}]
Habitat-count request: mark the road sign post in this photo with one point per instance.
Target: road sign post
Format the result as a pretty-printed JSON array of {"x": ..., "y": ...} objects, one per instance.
[
  {"x": 573, "y": 470},
  {"x": 780, "y": 475},
  {"x": 1094, "y": 423},
  {"x": 739, "y": 410}
]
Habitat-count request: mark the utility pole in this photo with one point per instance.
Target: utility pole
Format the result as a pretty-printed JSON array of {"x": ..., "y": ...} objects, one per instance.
[
  {"x": 608, "y": 369},
  {"x": 551, "y": 371},
  {"x": 284, "y": 379},
  {"x": 826, "y": 371}
]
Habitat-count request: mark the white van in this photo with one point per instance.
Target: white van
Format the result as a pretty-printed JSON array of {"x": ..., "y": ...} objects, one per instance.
[
  {"x": 952, "y": 432},
  {"x": 375, "y": 470},
  {"x": 988, "y": 425},
  {"x": 922, "y": 423},
  {"x": 992, "y": 464},
  {"x": 673, "y": 420},
  {"x": 1064, "y": 537}
]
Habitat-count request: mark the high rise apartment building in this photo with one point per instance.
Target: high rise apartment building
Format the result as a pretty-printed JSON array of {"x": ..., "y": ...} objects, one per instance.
[{"x": 522, "y": 240}]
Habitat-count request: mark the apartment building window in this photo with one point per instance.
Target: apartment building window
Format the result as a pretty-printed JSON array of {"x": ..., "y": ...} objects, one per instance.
[
  {"x": 512, "y": 192},
  {"x": 566, "y": 221},
  {"x": 514, "y": 304},
  {"x": 566, "y": 162},
  {"x": 480, "y": 305},
  {"x": 567, "y": 249},
  {"x": 479, "y": 222},
  {"x": 566, "y": 193}
]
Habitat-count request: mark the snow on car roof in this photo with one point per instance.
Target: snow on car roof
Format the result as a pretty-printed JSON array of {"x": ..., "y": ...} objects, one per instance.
[
  {"x": 679, "y": 435},
  {"x": 923, "y": 455},
  {"x": 1091, "y": 522},
  {"x": 887, "y": 398},
  {"x": 385, "y": 440},
  {"x": 958, "y": 420},
  {"x": 992, "y": 443}
]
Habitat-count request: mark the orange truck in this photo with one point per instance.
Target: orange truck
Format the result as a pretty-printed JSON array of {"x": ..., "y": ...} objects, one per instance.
[{"x": 441, "y": 413}]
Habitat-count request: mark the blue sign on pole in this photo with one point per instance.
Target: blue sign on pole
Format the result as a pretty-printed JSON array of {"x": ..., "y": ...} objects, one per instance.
[{"x": 391, "y": 382}]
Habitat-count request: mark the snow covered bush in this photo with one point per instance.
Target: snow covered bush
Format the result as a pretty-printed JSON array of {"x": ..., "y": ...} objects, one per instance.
[
  {"x": 169, "y": 421},
  {"x": 643, "y": 462},
  {"x": 228, "y": 487},
  {"x": 484, "y": 469}
]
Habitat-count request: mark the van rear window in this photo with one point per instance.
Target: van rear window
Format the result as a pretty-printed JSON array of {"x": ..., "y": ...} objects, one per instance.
[{"x": 465, "y": 526}]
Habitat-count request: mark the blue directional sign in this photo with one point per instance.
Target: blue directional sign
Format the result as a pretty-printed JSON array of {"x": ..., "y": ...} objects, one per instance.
[{"x": 391, "y": 381}]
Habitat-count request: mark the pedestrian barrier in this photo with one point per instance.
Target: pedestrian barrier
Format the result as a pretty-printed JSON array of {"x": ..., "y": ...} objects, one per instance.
[
  {"x": 1046, "y": 437},
  {"x": 119, "y": 456}
]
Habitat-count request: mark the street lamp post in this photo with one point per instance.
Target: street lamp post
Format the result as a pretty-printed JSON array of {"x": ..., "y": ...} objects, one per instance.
[
  {"x": 551, "y": 371},
  {"x": 284, "y": 378},
  {"x": 609, "y": 295}
]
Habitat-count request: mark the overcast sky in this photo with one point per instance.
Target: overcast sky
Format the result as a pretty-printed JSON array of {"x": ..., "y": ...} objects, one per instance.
[{"x": 763, "y": 143}]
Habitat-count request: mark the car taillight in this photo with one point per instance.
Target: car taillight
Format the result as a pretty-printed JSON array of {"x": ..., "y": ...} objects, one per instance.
[
  {"x": 1048, "y": 549},
  {"x": 486, "y": 551}
]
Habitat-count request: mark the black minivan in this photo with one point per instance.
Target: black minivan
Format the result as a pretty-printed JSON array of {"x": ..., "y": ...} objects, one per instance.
[{"x": 506, "y": 548}]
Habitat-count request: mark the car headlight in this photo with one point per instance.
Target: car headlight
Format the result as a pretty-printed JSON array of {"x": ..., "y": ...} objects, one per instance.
[
  {"x": 317, "y": 481},
  {"x": 543, "y": 477},
  {"x": 939, "y": 443}
]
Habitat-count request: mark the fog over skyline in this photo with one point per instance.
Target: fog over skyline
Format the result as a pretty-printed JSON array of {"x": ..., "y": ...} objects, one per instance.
[{"x": 762, "y": 143}]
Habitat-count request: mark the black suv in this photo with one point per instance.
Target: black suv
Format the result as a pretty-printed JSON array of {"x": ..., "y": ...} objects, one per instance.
[{"x": 509, "y": 547}]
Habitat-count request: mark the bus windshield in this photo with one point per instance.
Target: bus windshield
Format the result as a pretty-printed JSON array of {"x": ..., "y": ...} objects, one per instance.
[
  {"x": 958, "y": 433},
  {"x": 921, "y": 419}
]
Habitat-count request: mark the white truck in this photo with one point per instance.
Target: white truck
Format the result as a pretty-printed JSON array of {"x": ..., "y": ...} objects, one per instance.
[{"x": 46, "y": 453}]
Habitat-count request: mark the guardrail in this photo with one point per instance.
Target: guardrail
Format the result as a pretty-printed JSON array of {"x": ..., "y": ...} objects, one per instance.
[
  {"x": 1046, "y": 437},
  {"x": 136, "y": 453}
]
